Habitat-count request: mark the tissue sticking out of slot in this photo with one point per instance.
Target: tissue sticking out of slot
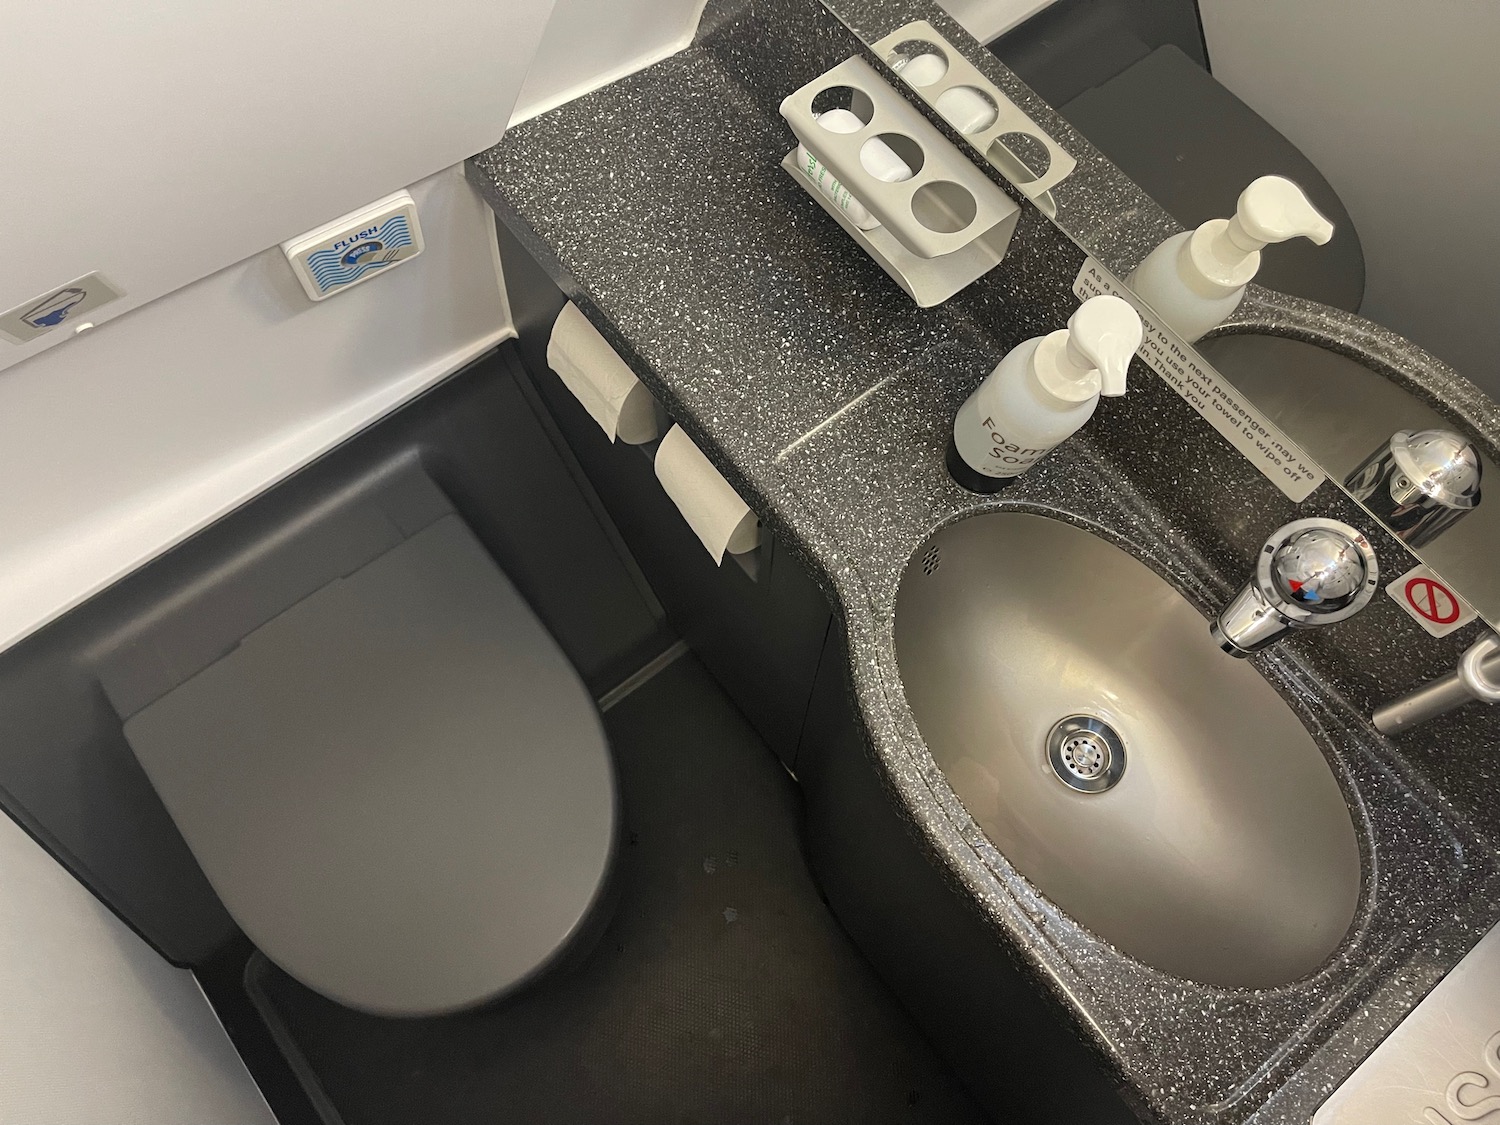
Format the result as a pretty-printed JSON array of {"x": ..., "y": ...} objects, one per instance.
[
  {"x": 835, "y": 192},
  {"x": 875, "y": 156},
  {"x": 839, "y": 121},
  {"x": 600, "y": 380},
  {"x": 709, "y": 503},
  {"x": 968, "y": 110}
]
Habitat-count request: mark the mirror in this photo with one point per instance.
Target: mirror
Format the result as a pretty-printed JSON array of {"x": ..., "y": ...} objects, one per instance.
[
  {"x": 1344, "y": 400},
  {"x": 1308, "y": 390}
]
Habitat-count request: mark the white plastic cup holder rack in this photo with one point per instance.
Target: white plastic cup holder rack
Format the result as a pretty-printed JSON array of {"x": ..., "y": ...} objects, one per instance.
[
  {"x": 935, "y": 230},
  {"x": 1024, "y": 152}
]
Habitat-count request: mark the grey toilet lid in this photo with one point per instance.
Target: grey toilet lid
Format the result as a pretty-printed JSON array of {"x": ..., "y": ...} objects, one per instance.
[{"x": 399, "y": 787}]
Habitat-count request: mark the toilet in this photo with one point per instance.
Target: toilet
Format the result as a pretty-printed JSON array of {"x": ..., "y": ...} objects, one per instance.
[{"x": 399, "y": 787}]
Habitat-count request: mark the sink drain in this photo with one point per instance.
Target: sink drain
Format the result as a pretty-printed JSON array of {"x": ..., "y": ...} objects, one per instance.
[{"x": 1086, "y": 754}]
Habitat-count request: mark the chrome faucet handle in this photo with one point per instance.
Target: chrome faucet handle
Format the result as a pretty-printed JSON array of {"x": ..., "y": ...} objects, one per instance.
[
  {"x": 1311, "y": 572},
  {"x": 1419, "y": 484}
]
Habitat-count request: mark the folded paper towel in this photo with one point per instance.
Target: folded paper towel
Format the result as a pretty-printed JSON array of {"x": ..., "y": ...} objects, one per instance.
[
  {"x": 706, "y": 500},
  {"x": 600, "y": 379}
]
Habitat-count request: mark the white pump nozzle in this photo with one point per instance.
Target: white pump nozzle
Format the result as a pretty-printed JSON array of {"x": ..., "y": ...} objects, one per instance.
[
  {"x": 1091, "y": 356},
  {"x": 1273, "y": 209},
  {"x": 1225, "y": 253},
  {"x": 1105, "y": 333}
]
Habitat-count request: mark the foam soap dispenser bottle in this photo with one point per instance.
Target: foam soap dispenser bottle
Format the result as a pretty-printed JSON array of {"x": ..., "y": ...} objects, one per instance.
[
  {"x": 1195, "y": 279},
  {"x": 1041, "y": 393}
]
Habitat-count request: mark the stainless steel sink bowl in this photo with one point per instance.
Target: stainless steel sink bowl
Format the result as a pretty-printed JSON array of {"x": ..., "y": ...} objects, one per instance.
[{"x": 1224, "y": 852}]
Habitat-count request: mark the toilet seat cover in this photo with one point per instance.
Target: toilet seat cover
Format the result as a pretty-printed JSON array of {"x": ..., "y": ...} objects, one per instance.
[{"x": 399, "y": 787}]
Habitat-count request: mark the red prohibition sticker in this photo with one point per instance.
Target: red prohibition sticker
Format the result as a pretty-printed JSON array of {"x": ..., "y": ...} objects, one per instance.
[{"x": 1430, "y": 601}]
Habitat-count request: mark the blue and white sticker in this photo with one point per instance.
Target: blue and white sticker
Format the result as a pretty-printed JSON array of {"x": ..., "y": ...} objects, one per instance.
[
  {"x": 357, "y": 247},
  {"x": 371, "y": 249},
  {"x": 64, "y": 306}
]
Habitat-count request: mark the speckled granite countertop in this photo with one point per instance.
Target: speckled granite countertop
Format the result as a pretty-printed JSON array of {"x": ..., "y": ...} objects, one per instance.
[{"x": 824, "y": 395}]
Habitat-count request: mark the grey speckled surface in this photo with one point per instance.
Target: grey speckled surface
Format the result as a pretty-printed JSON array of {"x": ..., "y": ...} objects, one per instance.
[{"x": 824, "y": 395}]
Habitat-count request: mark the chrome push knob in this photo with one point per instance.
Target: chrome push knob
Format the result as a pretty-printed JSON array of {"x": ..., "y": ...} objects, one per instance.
[
  {"x": 1419, "y": 484},
  {"x": 1309, "y": 573}
]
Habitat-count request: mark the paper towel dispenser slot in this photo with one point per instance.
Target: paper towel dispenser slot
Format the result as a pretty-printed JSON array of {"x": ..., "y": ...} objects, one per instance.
[
  {"x": 756, "y": 561},
  {"x": 626, "y": 411},
  {"x": 601, "y": 381},
  {"x": 723, "y": 522}
]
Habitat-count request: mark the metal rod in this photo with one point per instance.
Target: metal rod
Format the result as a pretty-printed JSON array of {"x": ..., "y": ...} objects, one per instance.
[{"x": 1429, "y": 701}]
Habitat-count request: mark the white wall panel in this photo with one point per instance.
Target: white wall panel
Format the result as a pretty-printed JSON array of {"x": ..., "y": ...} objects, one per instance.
[
  {"x": 145, "y": 429},
  {"x": 97, "y": 1027},
  {"x": 589, "y": 43},
  {"x": 990, "y": 19},
  {"x": 157, "y": 141}
]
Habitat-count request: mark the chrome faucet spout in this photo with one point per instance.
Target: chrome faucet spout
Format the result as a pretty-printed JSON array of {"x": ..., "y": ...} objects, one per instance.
[
  {"x": 1419, "y": 484},
  {"x": 1309, "y": 573}
]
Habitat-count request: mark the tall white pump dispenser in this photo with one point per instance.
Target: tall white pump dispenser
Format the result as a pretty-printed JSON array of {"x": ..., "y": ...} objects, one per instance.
[
  {"x": 1194, "y": 280},
  {"x": 1041, "y": 393}
]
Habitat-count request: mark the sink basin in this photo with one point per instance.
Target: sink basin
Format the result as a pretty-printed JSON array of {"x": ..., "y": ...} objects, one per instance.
[{"x": 1224, "y": 852}]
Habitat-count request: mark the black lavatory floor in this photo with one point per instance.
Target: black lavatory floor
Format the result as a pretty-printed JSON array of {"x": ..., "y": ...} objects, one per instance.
[{"x": 722, "y": 992}]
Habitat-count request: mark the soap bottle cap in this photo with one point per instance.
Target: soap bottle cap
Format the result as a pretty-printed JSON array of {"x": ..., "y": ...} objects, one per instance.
[
  {"x": 1091, "y": 355},
  {"x": 1226, "y": 252}
]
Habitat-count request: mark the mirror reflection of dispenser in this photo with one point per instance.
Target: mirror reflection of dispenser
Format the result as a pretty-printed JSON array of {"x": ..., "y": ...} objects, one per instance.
[
  {"x": 1419, "y": 484},
  {"x": 1041, "y": 393},
  {"x": 1195, "y": 279}
]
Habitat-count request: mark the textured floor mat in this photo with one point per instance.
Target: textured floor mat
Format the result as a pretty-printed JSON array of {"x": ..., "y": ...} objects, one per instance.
[{"x": 722, "y": 992}]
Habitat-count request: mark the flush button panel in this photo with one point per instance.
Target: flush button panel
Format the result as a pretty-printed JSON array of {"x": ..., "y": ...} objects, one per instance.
[
  {"x": 1441, "y": 1066},
  {"x": 356, "y": 247}
]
